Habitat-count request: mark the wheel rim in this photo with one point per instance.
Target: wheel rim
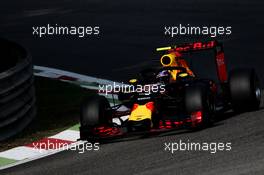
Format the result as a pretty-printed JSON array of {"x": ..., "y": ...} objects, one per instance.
[
  {"x": 257, "y": 90},
  {"x": 258, "y": 93}
]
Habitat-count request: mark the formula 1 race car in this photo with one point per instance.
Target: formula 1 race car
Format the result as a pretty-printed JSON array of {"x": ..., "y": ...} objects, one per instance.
[{"x": 171, "y": 97}]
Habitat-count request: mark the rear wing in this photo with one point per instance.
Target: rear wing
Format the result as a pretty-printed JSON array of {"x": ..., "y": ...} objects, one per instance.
[
  {"x": 200, "y": 46},
  {"x": 189, "y": 47}
]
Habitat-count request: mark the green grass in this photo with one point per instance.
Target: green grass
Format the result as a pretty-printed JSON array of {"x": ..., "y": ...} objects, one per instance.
[
  {"x": 5, "y": 161},
  {"x": 58, "y": 105}
]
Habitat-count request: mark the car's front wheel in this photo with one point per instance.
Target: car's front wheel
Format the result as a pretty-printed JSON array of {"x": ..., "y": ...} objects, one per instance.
[
  {"x": 199, "y": 104},
  {"x": 94, "y": 112}
]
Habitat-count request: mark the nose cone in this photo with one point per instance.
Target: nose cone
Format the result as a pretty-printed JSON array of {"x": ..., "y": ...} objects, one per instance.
[{"x": 140, "y": 113}]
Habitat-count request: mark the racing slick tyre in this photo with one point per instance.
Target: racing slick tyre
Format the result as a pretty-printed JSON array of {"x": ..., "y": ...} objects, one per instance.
[
  {"x": 199, "y": 103},
  {"x": 93, "y": 113},
  {"x": 17, "y": 92},
  {"x": 245, "y": 91}
]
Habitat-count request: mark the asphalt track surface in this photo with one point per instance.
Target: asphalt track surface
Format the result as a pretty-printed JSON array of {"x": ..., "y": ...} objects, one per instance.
[{"x": 130, "y": 31}]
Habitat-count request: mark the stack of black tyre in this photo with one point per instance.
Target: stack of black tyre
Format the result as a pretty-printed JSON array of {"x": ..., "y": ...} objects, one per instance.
[{"x": 17, "y": 96}]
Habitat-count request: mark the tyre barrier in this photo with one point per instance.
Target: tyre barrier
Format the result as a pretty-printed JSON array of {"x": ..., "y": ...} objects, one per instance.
[{"x": 17, "y": 93}]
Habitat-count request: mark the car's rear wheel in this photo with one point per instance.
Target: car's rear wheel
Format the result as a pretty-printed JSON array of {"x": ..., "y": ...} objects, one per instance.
[
  {"x": 199, "y": 104},
  {"x": 245, "y": 90}
]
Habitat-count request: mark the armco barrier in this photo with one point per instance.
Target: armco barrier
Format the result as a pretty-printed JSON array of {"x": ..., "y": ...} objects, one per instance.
[{"x": 17, "y": 95}]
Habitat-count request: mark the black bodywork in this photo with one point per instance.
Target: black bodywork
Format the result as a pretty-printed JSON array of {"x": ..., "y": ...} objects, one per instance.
[{"x": 183, "y": 103}]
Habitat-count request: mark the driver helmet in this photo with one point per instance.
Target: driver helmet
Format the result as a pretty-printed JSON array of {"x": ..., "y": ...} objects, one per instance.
[{"x": 163, "y": 76}]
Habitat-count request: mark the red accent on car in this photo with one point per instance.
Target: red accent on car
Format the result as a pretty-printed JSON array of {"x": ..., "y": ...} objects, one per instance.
[
  {"x": 168, "y": 122},
  {"x": 134, "y": 107},
  {"x": 176, "y": 123},
  {"x": 193, "y": 46},
  {"x": 150, "y": 105},
  {"x": 106, "y": 131},
  {"x": 197, "y": 116},
  {"x": 178, "y": 54},
  {"x": 161, "y": 125},
  {"x": 214, "y": 88},
  {"x": 188, "y": 120},
  {"x": 221, "y": 66}
]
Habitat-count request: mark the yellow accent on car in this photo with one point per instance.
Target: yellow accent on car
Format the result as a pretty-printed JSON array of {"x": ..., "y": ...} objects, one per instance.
[
  {"x": 163, "y": 48},
  {"x": 140, "y": 113},
  {"x": 133, "y": 81},
  {"x": 183, "y": 74},
  {"x": 172, "y": 58},
  {"x": 173, "y": 74}
]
